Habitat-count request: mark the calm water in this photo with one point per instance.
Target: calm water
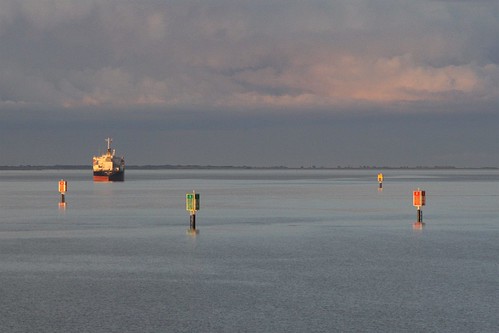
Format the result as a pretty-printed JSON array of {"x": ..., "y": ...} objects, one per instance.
[{"x": 278, "y": 251}]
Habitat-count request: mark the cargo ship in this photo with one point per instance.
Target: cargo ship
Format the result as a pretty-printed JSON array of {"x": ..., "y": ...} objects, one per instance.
[{"x": 108, "y": 167}]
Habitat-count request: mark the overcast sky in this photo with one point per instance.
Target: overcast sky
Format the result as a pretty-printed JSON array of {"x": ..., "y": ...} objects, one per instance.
[{"x": 258, "y": 83}]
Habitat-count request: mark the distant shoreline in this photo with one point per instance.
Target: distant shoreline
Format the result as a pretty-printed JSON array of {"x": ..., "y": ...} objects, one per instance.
[{"x": 223, "y": 167}]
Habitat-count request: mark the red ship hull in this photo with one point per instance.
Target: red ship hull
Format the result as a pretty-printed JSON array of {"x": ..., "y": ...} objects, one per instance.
[{"x": 109, "y": 177}]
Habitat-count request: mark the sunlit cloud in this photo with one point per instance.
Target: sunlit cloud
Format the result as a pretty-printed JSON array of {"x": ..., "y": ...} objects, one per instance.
[{"x": 316, "y": 84}]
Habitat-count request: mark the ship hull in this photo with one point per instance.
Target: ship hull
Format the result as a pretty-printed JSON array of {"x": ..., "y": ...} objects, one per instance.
[{"x": 102, "y": 176}]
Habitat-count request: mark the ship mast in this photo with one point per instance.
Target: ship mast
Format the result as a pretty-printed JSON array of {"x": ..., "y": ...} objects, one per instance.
[{"x": 109, "y": 140}]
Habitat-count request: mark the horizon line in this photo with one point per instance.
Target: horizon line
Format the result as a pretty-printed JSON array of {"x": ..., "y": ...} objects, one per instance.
[{"x": 196, "y": 166}]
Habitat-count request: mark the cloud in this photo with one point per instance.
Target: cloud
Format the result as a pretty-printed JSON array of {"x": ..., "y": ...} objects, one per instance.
[
  {"x": 110, "y": 86},
  {"x": 52, "y": 14},
  {"x": 235, "y": 54},
  {"x": 346, "y": 78}
]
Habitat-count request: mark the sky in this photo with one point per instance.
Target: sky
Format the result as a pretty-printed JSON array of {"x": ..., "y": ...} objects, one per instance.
[{"x": 250, "y": 83}]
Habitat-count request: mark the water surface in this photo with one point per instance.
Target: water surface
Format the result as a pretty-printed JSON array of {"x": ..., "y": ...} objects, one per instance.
[{"x": 278, "y": 251}]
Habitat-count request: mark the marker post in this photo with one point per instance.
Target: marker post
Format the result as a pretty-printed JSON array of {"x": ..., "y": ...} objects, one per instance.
[
  {"x": 419, "y": 200},
  {"x": 63, "y": 187},
  {"x": 380, "y": 181},
  {"x": 192, "y": 206}
]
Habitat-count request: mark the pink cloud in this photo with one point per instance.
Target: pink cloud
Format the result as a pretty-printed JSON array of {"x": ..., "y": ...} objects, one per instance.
[{"x": 349, "y": 78}]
